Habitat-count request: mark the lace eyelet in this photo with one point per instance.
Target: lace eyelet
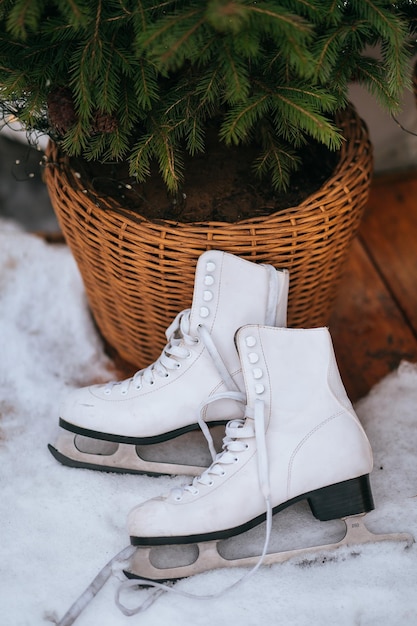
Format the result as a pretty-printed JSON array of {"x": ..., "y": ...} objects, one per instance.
[
  {"x": 138, "y": 387},
  {"x": 236, "y": 459},
  {"x": 246, "y": 446},
  {"x": 178, "y": 498},
  {"x": 178, "y": 365},
  {"x": 123, "y": 392},
  {"x": 211, "y": 483},
  {"x": 107, "y": 392},
  {"x": 151, "y": 382},
  {"x": 223, "y": 473}
]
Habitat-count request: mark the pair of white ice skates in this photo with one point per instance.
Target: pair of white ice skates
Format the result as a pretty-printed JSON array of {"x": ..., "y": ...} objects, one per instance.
[{"x": 291, "y": 432}]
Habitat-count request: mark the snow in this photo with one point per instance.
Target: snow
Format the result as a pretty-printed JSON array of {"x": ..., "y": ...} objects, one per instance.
[{"x": 59, "y": 526}]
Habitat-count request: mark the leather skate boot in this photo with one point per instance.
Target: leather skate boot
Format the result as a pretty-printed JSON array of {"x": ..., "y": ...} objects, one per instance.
[
  {"x": 300, "y": 440},
  {"x": 104, "y": 426}
]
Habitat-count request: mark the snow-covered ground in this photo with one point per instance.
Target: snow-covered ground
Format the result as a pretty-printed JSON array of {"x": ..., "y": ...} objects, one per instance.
[{"x": 59, "y": 526}]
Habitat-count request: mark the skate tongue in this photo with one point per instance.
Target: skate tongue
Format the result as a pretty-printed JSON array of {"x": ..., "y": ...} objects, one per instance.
[
  {"x": 262, "y": 454},
  {"x": 273, "y": 296}
]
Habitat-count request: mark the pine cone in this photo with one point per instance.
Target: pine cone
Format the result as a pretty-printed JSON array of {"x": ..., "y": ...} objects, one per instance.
[
  {"x": 104, "y": 123},
  {"x": 61, "y": 110}
]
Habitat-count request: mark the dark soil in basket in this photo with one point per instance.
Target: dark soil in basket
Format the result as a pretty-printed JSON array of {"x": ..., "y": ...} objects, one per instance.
[{"x": 219, "y": 186}]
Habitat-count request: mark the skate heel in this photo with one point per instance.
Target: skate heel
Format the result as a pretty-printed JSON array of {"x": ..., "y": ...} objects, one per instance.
[{"x": 350, "y": 497}]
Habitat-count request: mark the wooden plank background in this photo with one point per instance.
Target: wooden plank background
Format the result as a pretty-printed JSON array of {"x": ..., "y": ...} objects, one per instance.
[{"x": 374, "y": 323}]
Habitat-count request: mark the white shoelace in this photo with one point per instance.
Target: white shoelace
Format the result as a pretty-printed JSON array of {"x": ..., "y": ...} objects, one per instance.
[
  {"x": 235, "y": 430},
  {"x": 94, "y": 587},
  {"x": 176, "y": 349}
]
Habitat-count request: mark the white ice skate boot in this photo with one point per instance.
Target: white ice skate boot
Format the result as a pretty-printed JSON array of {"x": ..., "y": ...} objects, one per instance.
[
  {"x": 301, "y": 439},
  {"x": 102, "y": 426}
]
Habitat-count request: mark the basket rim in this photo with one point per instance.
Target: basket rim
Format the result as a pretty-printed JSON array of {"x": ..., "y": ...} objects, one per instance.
[{"x": 344, "y": 119}]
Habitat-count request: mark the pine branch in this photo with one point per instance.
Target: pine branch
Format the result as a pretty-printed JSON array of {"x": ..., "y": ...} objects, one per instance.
[
  {"x": 24, "y": 16},
  {"x": 235, "y": 73},
  {"x": 277, "y": 18},
  {"x": 194, "y": 134},
  {"x": 370, "y": 74},
  {"x": 169, "y": 159},
  {"x": 275, "y": 159},
  {"x": 140, "y": 158},
  {"x": 77, "y": 14},
  {"x": 241, "y": 118},
  {"x": 143, "y": 80},
  {"x": 307, "y": 119},
  {"x": 76, "y": 140},
  {"x": 170, "y": 41},
  {"x": 145, "y": 83},
  {"x": 392, "y": 32},
  {"x": 328, "y": 49}
]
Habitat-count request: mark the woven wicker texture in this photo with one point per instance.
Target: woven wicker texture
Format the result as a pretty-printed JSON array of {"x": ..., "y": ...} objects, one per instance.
[{"x": 139, "y": 274}]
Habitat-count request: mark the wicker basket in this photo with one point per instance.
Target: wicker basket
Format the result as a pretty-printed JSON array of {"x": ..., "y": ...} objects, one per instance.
[{"x": 139, "y": 274}]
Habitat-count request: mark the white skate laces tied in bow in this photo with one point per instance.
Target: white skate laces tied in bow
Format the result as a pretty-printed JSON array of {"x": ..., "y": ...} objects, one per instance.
[{"x": 236, "y": 430}]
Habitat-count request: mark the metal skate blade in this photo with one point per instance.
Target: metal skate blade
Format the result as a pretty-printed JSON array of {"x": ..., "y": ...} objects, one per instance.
[
  {"x": 154, "y": 459},
  {"x": 163, "y": 563},
  {"x": 95, "y": 446}
]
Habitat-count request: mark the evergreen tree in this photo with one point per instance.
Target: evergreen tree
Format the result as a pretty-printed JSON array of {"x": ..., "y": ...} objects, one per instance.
[{"x": 143, "y": 80}]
